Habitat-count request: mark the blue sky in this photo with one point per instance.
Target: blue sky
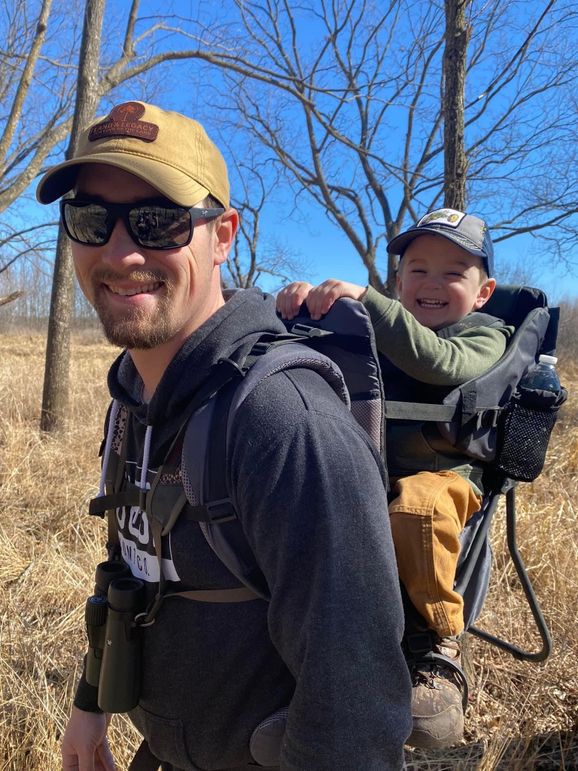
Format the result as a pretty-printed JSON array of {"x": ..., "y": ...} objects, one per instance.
[
  {"x": 308, "y": 233},
  {"x": 323, "y": 247}
]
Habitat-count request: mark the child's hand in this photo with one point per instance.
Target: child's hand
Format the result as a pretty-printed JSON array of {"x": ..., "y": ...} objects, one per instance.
[
  {"x": 291, "y": 297},
  {"x": 321, "y": 298}
]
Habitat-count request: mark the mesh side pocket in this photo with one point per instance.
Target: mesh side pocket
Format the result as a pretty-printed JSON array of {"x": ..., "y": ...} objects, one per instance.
[{"x": 523, "y": 440}]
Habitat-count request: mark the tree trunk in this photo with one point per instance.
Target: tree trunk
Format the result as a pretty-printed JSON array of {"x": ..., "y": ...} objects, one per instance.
[
  {"x": 55, "y": 398},
  {"x": 454, "y": 67}
]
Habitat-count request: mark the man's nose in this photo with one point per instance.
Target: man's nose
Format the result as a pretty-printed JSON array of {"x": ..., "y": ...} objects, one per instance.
[{"x": 121, "y": 249}]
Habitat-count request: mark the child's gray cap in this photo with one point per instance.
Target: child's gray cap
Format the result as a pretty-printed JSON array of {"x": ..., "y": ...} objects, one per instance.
[{"x": 465, "y": 230}]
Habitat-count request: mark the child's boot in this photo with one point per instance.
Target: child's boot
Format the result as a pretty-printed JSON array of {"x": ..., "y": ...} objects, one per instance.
[{"x": 439, "y": 696}]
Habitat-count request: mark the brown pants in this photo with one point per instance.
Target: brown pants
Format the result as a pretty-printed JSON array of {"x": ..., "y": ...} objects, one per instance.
[{"x": 427, "y": 516}]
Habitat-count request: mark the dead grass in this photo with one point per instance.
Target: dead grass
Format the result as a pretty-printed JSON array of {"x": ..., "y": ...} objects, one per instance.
[{"x": 521, "y": 716}]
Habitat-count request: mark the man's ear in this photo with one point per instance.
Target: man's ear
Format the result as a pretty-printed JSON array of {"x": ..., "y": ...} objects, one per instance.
[
  {"x": 484, "y": 294},
  {"x": 225, "y": 231}
]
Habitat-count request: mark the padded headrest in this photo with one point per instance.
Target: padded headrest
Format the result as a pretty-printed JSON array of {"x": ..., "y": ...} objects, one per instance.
[{"x": 513, "y": 303}]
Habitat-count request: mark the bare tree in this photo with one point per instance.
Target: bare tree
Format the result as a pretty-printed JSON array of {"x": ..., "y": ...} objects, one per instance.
[
  {"x": 10, "y": 298},
  {"x": 55, "y": 398},
  {"x": 38, "y": 86},
  {"x": 454, "y": 92},
  {"x": 347, "y": 99}
]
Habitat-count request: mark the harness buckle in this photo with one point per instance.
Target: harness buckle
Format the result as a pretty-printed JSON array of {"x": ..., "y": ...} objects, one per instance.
[
  {"x": 304, "y": 330},
  {"x": 220, "y": 511}
]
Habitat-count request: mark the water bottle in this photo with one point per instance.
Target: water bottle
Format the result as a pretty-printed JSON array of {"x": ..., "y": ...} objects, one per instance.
[{"x": 542, "y": 377}]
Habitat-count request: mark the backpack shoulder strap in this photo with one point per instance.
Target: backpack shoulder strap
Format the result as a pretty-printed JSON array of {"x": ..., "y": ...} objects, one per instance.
[{"x": 340, "y": 348}]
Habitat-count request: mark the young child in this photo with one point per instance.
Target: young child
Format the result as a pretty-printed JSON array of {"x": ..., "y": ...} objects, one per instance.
[{"x": 445, "y": 273}]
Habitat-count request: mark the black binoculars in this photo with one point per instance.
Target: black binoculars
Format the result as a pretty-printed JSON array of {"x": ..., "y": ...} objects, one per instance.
[{"x": 113, "y": 660}]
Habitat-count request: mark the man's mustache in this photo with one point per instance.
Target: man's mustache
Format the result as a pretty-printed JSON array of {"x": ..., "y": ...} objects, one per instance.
[{"x": 138, "y": 276}]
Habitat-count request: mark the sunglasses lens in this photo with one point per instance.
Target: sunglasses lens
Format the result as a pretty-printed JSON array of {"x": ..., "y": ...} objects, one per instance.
[
  {"x": 159, "y": 227},
  {"x": 152, "y": 226},
  {"x": 86, "y": 224}
]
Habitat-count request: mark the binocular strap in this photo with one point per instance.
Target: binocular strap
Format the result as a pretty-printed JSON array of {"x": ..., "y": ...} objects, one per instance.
[{"x": 236, "y": 594}]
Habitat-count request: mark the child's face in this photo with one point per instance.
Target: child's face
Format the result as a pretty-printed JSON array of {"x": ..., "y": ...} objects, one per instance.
[{"x": 439, "y": 282}]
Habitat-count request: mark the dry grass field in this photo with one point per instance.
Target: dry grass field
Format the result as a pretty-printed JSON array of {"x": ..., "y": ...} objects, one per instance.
[{"x": 521, "y": 715}]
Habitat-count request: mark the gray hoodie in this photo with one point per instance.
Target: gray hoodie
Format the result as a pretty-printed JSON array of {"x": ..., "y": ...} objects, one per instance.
[{"x": 309, "y": 493}]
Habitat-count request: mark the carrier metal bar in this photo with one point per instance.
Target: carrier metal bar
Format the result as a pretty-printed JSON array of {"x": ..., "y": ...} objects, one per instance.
[{"x": 540, "y": 622}]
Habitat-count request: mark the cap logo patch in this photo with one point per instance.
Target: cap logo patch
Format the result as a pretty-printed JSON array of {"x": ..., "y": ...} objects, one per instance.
[
  {"x": 124, "y": 121},
  {"x": 449, "y": 217}
]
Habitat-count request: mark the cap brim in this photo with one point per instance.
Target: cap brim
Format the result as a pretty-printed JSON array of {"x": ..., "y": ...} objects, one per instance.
[
  {"x": 170, "y": 182},
  {"x": 398, "y": 244}
]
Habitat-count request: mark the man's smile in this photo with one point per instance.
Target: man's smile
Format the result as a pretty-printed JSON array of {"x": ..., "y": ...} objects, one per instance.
[{"x": 131, "y": 291}]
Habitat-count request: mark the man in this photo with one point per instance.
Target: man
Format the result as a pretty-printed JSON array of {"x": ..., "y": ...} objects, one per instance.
[{"x": 150, "y": 224}]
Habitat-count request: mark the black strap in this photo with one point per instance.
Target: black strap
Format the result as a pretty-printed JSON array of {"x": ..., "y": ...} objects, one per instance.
[
  {"x": 102, "y": 503},
  {"x": 417, "y": 411},
  {"x": 144, "y": 760},
  {"x": 114, "y": 483}
]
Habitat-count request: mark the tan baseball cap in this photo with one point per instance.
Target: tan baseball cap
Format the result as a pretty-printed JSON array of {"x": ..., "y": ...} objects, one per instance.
[{"x": 171, "y": 152}]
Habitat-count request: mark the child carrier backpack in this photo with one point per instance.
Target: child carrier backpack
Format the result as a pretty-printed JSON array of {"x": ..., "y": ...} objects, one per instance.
[
  {"x": 485, "y": 418},
  {"x": 493, "y": 422},
  {"x": 476, "y": 416}
]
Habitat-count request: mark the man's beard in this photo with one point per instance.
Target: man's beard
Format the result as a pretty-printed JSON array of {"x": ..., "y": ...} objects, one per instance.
[{"x": 139, "y": 328}]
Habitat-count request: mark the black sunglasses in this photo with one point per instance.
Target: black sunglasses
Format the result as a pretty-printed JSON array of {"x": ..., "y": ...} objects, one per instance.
[{"x": 151, "y": 224}]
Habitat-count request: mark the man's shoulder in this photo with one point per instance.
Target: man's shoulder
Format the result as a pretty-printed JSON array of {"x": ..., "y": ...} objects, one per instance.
[
  {"x": 293, "y": 392},
  {"x": 296, "y": 414},
  {"x": 294, "y": 406}
]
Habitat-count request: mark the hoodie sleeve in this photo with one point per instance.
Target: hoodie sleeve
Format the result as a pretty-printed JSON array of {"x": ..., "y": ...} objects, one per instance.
[
  {"x": 421, "y": 354},
  {"x": 310, "y": 495}
]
